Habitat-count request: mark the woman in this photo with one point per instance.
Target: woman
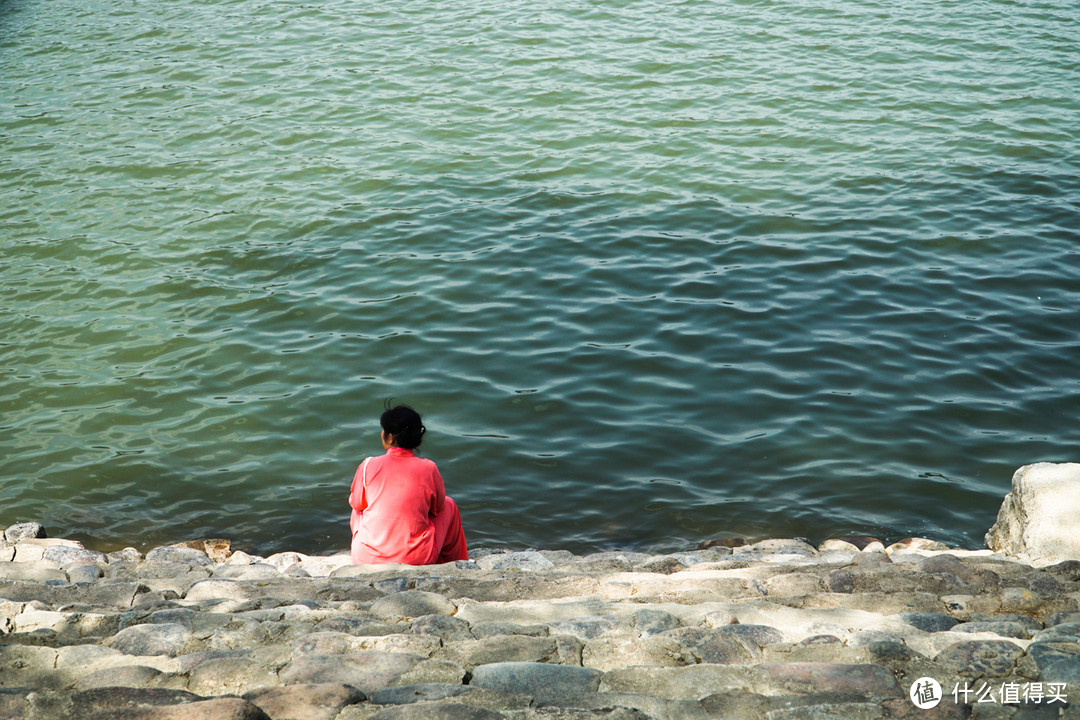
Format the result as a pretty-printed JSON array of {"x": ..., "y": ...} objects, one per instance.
[{"x": 400, "y": 511}]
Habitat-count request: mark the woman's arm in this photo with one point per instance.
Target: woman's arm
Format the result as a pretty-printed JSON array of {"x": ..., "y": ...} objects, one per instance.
[
  {"x": 440, "y": 490},
  {"x": 357, "y": 499}
]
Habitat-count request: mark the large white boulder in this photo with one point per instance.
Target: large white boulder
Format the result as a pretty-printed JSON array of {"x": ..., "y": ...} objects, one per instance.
[{"x": 1039, "y": 521}]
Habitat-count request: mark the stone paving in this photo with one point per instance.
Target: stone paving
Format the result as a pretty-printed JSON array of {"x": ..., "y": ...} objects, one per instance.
[{"x": 775, "y": 630}]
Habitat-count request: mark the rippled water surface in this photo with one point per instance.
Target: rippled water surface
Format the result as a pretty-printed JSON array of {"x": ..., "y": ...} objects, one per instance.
[{"x": 653, "y": 272}]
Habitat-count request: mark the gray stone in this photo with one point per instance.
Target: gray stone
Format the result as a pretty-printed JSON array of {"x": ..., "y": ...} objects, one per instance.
[
  {"x": 411, "y": 604},
  {"x": 1058, "y": 662},
  {"x": 182, "y": 555},
  {"x": 650, "y": 622},
  {"x": 828, "y": 711},
  {"x": 217, "y": 590},
  {"x": 437, "y": 711},
  {"x": 780, "y": 546},
  {"x": 840, "y": 581},
  {"x": 178, "y": 616},
  {"x": 929, "y": 622},
  {"x": 445, "y": 627},
  {"x": 61, "y": 555},
  {"x": 584, "y": 628},
  {"x": 123, "y": 676},
  {"x": 424, "y": 692},
  {"x": 390, "y": 586},
  {"x": 980, "y": 658},
  {"x": 528, "y": 561},
  {"x": 24, "y": 531},
  {"x": 31, "y": 572},
  {"x": 666, "y": 565},
  {"x": 760, "y": 635},
  {"x": 544, "y": 682},
  {"x": 321, "y": 701},
  {"x": 164, "y": 639},
  {"x": 84, "y": 573},
  {"x": 1004, "y": 629},
  {"x": 1063, "y": 617},
  {"x": 255, "y": 571},
  {"x": 1037, "y": 520},
  {"x": 619, "y": 651},
  {"x": 434, "y": 671},
  {"x": 225, "y": 708},
  {"x": 691, "y": 682},
  {"x": 865, "y": 681},
  {"x": 366, "y": 670},
  {"x": 127, "y": 556},
  {"x": 712, "y": 645},
  {"x": 1065, "y": 632},
  {"x": 229, "y": 676},
  {"x": 498, "y": 627},
  {"x": 516, "y": 648}
]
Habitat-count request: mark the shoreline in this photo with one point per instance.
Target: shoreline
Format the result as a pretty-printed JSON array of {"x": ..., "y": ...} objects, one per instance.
[{"x": 773, "y": 630}]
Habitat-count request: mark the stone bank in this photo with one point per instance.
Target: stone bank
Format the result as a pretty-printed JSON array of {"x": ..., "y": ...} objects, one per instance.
[{"x": 774, "y": 630}]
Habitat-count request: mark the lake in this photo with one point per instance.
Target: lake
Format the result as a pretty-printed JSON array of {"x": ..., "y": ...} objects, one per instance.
[{"x": 652, "y": 272}]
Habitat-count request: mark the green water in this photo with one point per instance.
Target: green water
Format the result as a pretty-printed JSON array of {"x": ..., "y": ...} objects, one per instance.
[{"x": 653, "y": 272}]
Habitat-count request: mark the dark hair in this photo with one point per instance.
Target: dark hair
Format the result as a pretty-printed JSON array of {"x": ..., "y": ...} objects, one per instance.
[{"x": 404, "y": 424}]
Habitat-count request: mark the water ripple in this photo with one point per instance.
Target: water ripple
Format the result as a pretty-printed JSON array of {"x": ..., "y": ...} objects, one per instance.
[{"x": 653, "y": 272}]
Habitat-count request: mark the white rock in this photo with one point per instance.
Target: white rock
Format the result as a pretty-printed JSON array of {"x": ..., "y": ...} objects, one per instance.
[
  {"x": 30, "y": 620},
  {"x": 323, "y": 565},
  {"x": 284, "y": 560},
  {"x": 527, "y": 561},
  {"x": 1039, "y": 521},
  {"x": 33, "y": 549}
]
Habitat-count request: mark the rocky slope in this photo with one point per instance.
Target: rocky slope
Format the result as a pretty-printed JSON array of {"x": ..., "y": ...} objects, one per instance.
[{"x": 777, "y": 630}]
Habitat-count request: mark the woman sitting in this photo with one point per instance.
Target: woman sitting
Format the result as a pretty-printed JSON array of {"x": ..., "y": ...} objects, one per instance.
[{"x": 400, "y": 511}]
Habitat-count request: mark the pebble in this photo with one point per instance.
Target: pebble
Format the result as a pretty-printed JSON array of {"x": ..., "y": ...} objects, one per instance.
[{"x": 772, "y": 630}]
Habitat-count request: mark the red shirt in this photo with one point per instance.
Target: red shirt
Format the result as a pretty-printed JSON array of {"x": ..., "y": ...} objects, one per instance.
[{"x": 395, "y": 498}]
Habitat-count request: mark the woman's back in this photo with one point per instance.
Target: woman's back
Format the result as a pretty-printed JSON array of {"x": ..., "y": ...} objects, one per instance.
[
  {"x": 400, "y": 512},
  {"x": 397, "y": 496}
]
